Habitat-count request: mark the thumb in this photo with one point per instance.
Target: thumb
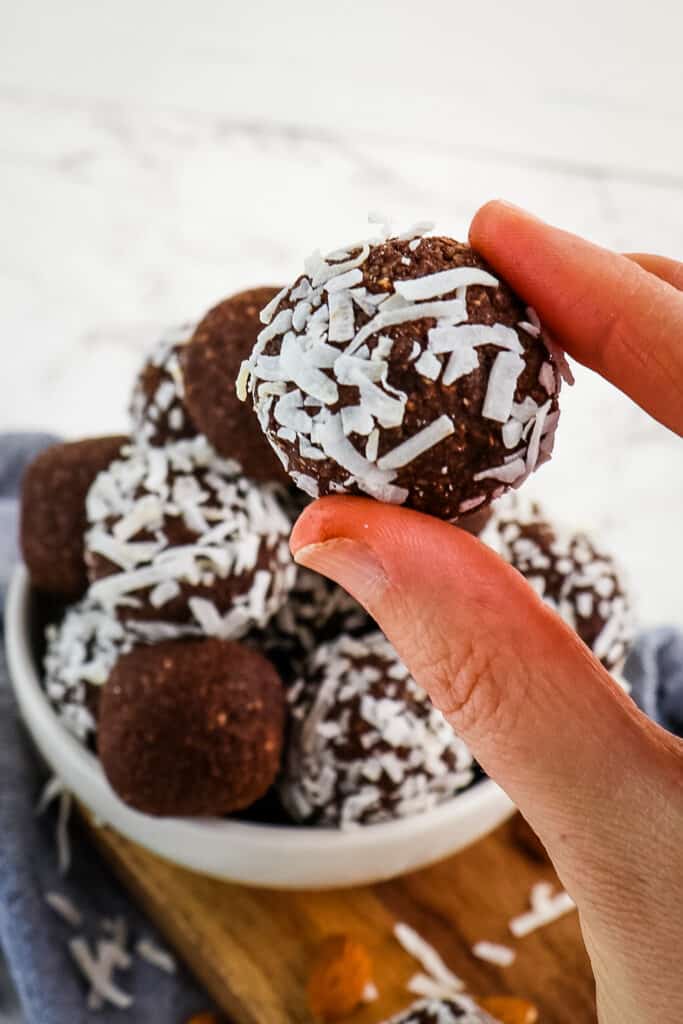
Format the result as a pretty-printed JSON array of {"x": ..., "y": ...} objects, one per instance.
[{"x": 536, "y": 708}]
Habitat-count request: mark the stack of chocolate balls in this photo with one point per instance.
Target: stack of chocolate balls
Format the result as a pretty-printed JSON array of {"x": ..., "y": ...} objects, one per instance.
[
  {"x": 170, "y": 554},
  {"x": 204, "y": 667}
]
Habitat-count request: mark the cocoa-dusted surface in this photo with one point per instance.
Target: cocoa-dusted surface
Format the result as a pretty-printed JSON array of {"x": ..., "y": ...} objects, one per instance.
[
  {"x": 156, "y": 420},
  {"x": 191, "y": 727},
  {"x": 441, "y": 478},
  {"x": 53, "y": 519},
  {"x": 211, "y": 363}
]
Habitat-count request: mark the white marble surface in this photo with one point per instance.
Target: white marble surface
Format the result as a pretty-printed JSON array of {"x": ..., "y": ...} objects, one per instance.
[{"x": 155, "y": 157}]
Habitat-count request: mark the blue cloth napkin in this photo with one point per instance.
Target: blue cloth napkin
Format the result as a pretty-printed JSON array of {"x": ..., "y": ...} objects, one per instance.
[
  {"x": 33, "y": 938},
  {"x": 654, "y": 669}
]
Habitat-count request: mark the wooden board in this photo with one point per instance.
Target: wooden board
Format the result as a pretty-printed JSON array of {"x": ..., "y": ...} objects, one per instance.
[{"x": 252, "y": 948}]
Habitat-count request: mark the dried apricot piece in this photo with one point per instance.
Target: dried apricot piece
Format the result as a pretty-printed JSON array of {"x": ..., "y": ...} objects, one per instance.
[{"x": 339, "y": 978}]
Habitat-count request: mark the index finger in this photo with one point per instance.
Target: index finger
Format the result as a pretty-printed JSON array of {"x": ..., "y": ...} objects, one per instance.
[{"x": 606, "y": 311}]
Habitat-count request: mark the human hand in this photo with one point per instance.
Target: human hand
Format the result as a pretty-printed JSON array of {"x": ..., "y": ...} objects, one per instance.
[{"x": 598, "y": 781}]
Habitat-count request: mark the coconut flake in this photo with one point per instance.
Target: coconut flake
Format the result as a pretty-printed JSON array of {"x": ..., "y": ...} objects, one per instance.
[
  {"x": 342, "y": 323},
  {"x": 306, "y": 483},
  {"x": 266, "y": 314},
  {"x": 507, "y": 473},
  {"x": 330, "y": 436},
  {"x": 529, "y": 328},
  {"x": 423, "y": 985},
  {"x": 62, "y": 832},
  {"x": 462, "y": 361},
  {"x": 344, "y": 281},
  {"x": 65, "y": 908},
  {"x": 420, "y": 228},
  {"x": 372, "y": 446},
  {"x": 493, "y": 953},
  {"x": 545, "y": 908},
  {"x": 420, "y": 949},
  {"x": 323, "y": 271},
  {"x": 546, "y": 378},
  {"x": 97, "y": 971},
  {"x": 155, "y": 955},
  {"x": 450, "y": 338},
  {"x": 502, "y": 382},
  {"x": 535, "y": 440},
  {"x": 280, "y": 325},
  {"x": 443, "y": 282},
  {"x": 356, "y": 419},
  {"x": 163, "y": 593},
  {"x": 418, "y": 444},
  {"x": 242, "y": 382},
  {"x": 450, "y": 310},
  {"x": 471, "y": 503},
  {"x": 512, "y": 433},
  {"x": 428, "y": 365}
]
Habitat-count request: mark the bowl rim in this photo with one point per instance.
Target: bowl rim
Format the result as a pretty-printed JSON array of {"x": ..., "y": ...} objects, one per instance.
[{"x": 35, "y": 706}]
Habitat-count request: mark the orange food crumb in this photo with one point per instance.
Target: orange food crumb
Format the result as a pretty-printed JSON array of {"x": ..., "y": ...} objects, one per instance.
[{"x": 339, "y": 977}]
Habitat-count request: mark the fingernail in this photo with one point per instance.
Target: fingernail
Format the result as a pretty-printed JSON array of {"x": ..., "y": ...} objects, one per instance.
[{"x": 351, "y": 564}]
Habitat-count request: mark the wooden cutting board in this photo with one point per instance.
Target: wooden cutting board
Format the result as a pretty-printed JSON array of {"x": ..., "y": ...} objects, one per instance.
[{"x": 252, "y": 948}]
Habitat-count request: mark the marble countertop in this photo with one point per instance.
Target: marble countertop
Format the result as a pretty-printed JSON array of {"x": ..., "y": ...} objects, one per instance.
[{"x": 155, "y": 157}]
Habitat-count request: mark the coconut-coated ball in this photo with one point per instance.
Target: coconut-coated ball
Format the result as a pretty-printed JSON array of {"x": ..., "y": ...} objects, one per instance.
[
  {"x": 366, "y": 744},
  {"x": 177, "y": 534},
  {"x": 571, "y": 571},
  {"x": 406, "y": 370},
  {"x": 158, "y": 411}
]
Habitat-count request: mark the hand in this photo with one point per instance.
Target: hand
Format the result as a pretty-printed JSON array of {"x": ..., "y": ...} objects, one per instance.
[{"x": 598, "y": 781}]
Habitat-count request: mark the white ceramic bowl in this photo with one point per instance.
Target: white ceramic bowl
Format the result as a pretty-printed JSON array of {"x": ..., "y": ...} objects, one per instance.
[{"x": 283, "y": 857}]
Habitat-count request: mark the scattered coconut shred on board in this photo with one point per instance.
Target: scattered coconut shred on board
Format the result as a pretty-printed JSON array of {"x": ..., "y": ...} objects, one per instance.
[
  {"x": 494, "y": 953},
  {"x": 425, "y": 954},
  {"x": 545, "y": 908},
  {"x": 64, "y": 908},
  {"x": 54, "y": 789}
]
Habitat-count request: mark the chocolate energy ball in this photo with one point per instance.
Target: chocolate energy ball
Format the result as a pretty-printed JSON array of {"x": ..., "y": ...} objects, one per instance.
[
  {"x": 453, "y": 1010},
  {"x": 157, "y": 406},
  {"x": 177, "y": 534},
  {"x": 210, "y": 365},
  {"x": 404, "y": 370},
  {"x": 53, "y": 518},
  {"x": 80, "y": 652},
  {"x": 191, "y": 727},
  {"x": 576, "y": 578},
  {"x": 366, "y": 744}
]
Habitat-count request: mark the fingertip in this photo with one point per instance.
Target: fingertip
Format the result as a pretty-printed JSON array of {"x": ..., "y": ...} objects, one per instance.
[
  {"x": 325, "y": 519},
  {"x": 495, "y": 222},
  {"x": 485, "y": 220}
]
